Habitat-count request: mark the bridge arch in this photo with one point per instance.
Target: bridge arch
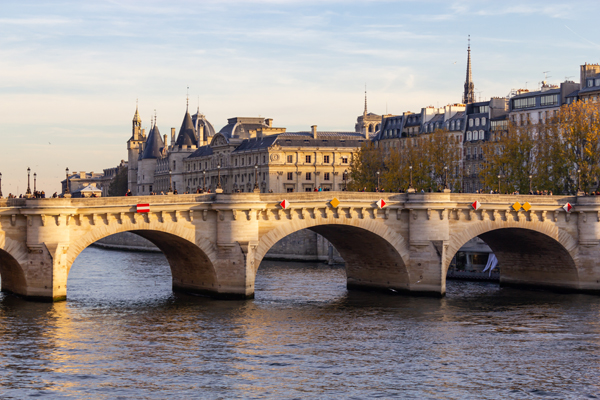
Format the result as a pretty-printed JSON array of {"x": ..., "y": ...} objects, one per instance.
[
  {"x": 529, "y": 253},
  {"x": 376, "y": 256},
  {"x": 190, "y": 259},
  {"x": 13, "y": 255}
]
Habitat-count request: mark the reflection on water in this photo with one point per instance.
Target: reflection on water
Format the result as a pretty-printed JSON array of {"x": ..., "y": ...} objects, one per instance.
[{"x": 123, "y": 333}]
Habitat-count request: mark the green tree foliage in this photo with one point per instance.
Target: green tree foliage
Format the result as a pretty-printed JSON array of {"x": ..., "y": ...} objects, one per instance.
[{"x": 118, "y": 186}]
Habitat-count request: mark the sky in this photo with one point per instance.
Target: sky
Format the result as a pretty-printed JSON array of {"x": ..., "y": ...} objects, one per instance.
[{"x": 72, "y": 71}]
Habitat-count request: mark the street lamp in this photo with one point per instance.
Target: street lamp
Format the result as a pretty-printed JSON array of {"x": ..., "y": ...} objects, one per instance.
[
  {"x": 410, "y": 186},
  {"x": 378, "y": 181},
  {"x": 219, "y": 176},
  {"x": 256, "y": 178},
  {"x": 530, "y": 192},
  {"x": 34, "y": 182},
  {"x": 204, "y": 181},
  {"x": 344, "y": 177},
  {"x": 578, "y": 180},
  {"x": 67, "y": 190},
  {"x": 0, "y": 185},
  {"x": 28, "y": 175},
  {"x": 499, "y": 191},
  {"x": 170, "y": 181},
  {"x": 445, "y": 177}
]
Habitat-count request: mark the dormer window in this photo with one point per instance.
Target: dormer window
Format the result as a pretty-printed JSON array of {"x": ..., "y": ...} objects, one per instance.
[
  {"x": 598, "y": 82},
  {"x": 590, "y": 82},
  {"x": 476, "y": 121},
  {"x": 470, "y": 122}
]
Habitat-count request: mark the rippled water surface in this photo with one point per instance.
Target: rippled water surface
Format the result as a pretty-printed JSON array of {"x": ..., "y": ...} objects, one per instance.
[{"x": 124, "y": 334}]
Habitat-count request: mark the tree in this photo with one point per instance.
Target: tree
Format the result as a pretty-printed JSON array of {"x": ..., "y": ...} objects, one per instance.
[
  {"x": 579, "y": 124},
  {"x": 427, "y": 154},
  {"x": 363, "y": 169},
  {"x": 118, "y": 186}
]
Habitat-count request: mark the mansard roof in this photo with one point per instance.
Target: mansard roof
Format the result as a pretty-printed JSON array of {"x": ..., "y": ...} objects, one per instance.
[
  {"x": 202, "y": 152},
  {"x": 187, "y": 133},
  {"x": 154, "y": 144}
]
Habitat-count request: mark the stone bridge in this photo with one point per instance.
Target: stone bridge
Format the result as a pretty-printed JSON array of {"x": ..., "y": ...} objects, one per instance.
[{"x": 214, "y": 243}]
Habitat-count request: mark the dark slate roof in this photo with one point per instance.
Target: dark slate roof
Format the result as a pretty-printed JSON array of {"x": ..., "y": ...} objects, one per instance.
[
  {"x": 590, "y": 89},
  {"x": 436, "y": 118},
  {"x": 241, "y": 130},
  {"x": 537, "y": 93},
  {"x": 209, "y": 130},
  {"x": 458, "y": 115},
  {"x": 202, "y": 152},
  {"x": 187, "y": 133},
  {"x": 574, "y": 94},
  {"x": 256, "y": 143},
  {"x": 154, "y": 144},
  {"x": 416, "y": 121}
]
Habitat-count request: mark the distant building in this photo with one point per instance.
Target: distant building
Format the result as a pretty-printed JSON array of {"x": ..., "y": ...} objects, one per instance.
[
  {"x": 109, "y": 175},
  {"x": 484, "y": 120},
  {"x": 81, "y": 180},
  {"x": 589, "y": 89},
  {"x": 530, "y": 108}
]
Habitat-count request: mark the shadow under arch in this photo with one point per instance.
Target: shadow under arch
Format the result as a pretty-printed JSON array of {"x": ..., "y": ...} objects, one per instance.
[
  {"x": 192, "y": 269},
  {"x": 12, "y": 276},
  {"x": 374, "y": 260},
  {"x": 530, "y": 257}
]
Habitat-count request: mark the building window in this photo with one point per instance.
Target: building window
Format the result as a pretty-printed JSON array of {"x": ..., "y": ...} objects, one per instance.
[
  {"x": 452, "y": 125},
  {"x": 326, "y": 176},
  {"x": 481, "y": 135},
  {"x": 524, "y": 103},
  {"x": 476, "y": 121},
  {"x": 290, "y": 190},
  {"x": 236, "y": 162},
  {"x": 549, "y": 100},
  {"x": 470, "y": 122},
  {"x": 468, "y": 135},
  {"x": 264, "y": 159},
  {"x": 307, "y": 159},
  {"x": 483, "y": 121},
  {"x": 174, "y": 165},
  {"x": 590, "y": 82},
  {"x": 290, "y": 159},
  {"x": 326, "y": 159},
  {"x": 344, "y": 160},
  {"x": 150, "y": 188},
  {"x": 290, "y": 176},
  {"x": 308, "y": 176}
]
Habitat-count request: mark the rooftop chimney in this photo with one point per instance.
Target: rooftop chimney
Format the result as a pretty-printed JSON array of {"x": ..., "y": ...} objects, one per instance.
[
  {"x": 201, "y": 136},
  {"x": 269, "y": 122},
  {"x": 165, "y": 140},
  {"x": 314, "y": 131}
]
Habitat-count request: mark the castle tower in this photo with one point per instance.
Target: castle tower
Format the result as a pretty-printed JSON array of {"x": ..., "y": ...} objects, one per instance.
[
  {"x": 469, "y": 94},
  {"x": 134, "y": 148}
]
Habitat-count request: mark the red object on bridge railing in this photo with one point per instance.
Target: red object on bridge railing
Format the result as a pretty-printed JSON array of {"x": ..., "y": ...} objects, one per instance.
[{"x": 143, "y": 208}]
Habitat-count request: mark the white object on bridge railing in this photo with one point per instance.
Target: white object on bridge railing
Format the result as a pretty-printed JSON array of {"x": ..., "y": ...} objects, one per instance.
[
  {"x": 476, "y": 205},
  {"x": 568, "y": 207},
  {"x": 143, "y": 208},
  {"x": 381, "y": 203},
  {"x": 284, "y": 204}
]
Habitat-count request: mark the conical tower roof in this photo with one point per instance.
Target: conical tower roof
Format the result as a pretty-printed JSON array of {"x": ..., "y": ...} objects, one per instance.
[
  {"x": 136, "y": 116},
  {"x": 154, "y": 144},
  {"x": 187, "y": 133}
]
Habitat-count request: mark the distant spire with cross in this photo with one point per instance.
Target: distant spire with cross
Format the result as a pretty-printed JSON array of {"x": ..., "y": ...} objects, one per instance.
[{"x": 469, "y": 93}]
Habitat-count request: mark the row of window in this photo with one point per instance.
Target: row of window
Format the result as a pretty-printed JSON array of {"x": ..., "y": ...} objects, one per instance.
[
  {"x": 475, "y": 135},
  {"x": 477, "y": 122},
  {"x": 308, "y": 176},
  {"x": 593, "y": 82}
]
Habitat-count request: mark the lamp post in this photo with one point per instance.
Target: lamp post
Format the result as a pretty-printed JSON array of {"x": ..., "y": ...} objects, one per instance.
[
  {"x": 34, "y": 182},
  {"x": 0, "y": 185},
  {"x": 530, "y": 192},
  {"x": 344, "y": 177},
  {"x": 28, "y": 193},
  {"x": 204, "y": 181},
  {"x": 499, "y": 191},
  {"x": 170, "y": 181},
  {"x": 219, "y": 176},
  {"x": 410, "y": 185},
  {"x": 445, "y": 178},
  {"x": 378, "y": 181},
  {"x": 578, "y": 181},
  {"x": 256, "y": 189},
  {"x": 67, "y": 189}
]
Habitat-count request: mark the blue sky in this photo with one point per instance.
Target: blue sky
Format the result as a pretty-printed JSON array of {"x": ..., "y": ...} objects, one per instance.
[{"x": 71, "y": 71}]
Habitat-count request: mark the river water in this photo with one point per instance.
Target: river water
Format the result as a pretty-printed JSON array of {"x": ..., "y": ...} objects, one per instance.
[{"x": 124, "y": 334}]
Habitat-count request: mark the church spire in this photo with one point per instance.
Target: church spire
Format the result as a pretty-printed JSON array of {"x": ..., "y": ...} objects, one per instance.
[
  {"x": 365, "y": 112},
  {"x": 469, "y": 94},
  {"x": 137, "y": 123}
]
